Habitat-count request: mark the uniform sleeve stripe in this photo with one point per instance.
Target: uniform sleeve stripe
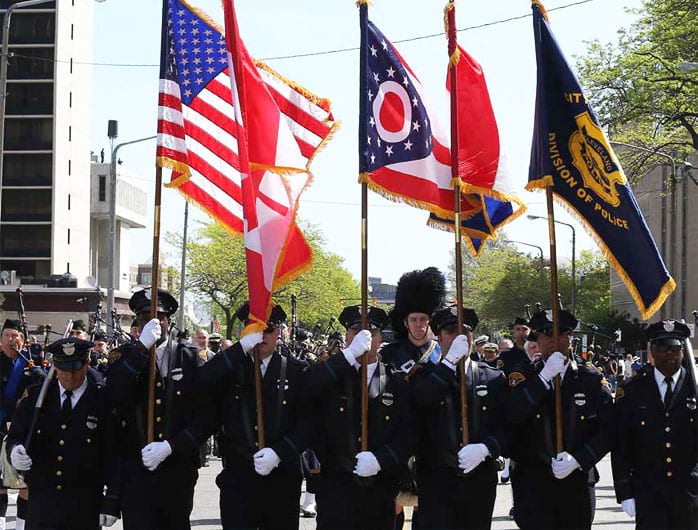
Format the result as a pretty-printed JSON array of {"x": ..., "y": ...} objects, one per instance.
[
  {"x": 290, "y": 442},
  {"x": 330, "y": 370},
  {"x": 392, "y": 453},
  {"x": 528, "y": 396},
  {"x": 128, "y": 366}
]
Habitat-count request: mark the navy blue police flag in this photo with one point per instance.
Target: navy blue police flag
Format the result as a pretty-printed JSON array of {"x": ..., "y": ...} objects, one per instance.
[{"x": 570, "y": 152}]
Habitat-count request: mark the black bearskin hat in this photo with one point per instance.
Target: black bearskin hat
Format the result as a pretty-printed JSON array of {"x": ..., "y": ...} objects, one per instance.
[{"x": 420, "y": 291}]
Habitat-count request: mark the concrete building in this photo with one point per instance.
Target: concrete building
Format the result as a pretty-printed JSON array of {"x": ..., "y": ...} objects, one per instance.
[
  {"x": 669, "y": 201},
  {"x": 45, "y": 197}
]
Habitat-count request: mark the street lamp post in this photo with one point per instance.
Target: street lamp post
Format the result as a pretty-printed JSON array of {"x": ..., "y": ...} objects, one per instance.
[
  {"x": 529, "y": 245},
  {"x": 111, "y": 251},
  {"x": 574, "y": 259},
  {"x": 3, "y": 79}
]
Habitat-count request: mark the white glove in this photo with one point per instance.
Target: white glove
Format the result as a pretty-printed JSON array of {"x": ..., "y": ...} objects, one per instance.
[
  {"x": 366, "y": 464},
  {"x": 553, "y": 366},
  {"x": 471, "y": 456},
  {"x": 628, "y": 506},
  {"x": 360, "y": 344},
  {"x": 251, "y": 340},
  {"x": 265, "y": 460},
  {"x": 106, "y": 520},
  {"x": 564, "y": 464},
  {"x": 155, "y": 454},
  {"x": 21, "y": 461},
  {"x": 150, "y": 333},
  {"x": 459, "y": 349}
]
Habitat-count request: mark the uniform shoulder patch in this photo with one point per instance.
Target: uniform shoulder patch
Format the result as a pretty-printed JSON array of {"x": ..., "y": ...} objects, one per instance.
[
  {"x": 500, "y": 363},
  {"x": 114, "y": 355},
  {"x": 619, "y": 393},
  {"x": 515, "y": 378}
]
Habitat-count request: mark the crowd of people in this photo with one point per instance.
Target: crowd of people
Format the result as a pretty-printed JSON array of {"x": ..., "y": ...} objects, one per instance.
[{"x": 95, "y": 437}]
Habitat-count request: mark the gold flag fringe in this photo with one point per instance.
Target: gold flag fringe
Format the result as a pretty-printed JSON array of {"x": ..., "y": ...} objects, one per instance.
[{"x": 542, "y": 10}]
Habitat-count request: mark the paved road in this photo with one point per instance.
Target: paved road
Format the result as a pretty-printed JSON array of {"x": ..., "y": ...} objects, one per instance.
[{"x": 206, "y": 515}]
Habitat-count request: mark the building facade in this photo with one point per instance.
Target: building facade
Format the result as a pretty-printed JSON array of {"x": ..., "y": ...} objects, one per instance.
[{"x": 45, "y": 194}]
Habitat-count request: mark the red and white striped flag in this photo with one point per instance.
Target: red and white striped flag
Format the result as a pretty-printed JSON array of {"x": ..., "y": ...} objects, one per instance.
[{"x": 199, "y": 135}]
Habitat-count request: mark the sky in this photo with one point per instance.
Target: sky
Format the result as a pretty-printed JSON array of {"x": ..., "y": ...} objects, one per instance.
[{"x": 294, "y": 37}]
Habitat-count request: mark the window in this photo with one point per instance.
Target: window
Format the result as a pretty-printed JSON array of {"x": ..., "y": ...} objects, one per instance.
[
  {"x": 25, "y": 241},
  {"x": 33, "y": 28},
  {"x": 30, "y": 63},
  {"x": 28, "y": 169},
  {"x": 4, "y": 4},
  {"x": 29, "y": 98},
  {"x": 29, "y": 134},
  {"x": 26, "y": 205},
  {"x": 102, "y": 192},
  {"x": 27, "y": 270}
]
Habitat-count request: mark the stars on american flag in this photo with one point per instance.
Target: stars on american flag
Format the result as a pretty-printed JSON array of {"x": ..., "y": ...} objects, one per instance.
[{"x": 197, "y": 52}]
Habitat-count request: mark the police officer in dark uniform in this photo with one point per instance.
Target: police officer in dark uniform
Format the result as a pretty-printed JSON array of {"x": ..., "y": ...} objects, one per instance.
[
  {"x": 657, "y": 447},
  {"x": 457, "y": 484},
  {"x": 419, "y": 293},
  {"x": 17, "y": 373},
  {"x": 516, "y": 356},
  {"x": 357, "y": 488},
  {"x": 260, "y": 487},
  {"x": 551, "y": 489},
  {"x": 65, "y": 460},
  {"x": 155, "y": 482}
]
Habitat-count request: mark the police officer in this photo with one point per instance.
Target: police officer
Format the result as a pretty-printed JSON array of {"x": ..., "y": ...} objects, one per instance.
[
  {"x": 155, "y": 483},
  {"x": 550, "y": 488},
  {"x": 65, "y": 460},
  {"x": 516, "y": 356},
  {"x": 419, "y": 293},
  {"x": 17, "y": 372},
  {"x": 457, "y": 484},
  {"x": 260, "y": 487},
  {"x": 657, "y": 445},
  {"x": 357, "y": 488}
]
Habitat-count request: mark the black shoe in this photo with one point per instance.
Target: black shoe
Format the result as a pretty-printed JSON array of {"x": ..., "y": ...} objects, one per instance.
[
  {"x": 504, "y": 478},
  {"x": 511, "y": 512}
]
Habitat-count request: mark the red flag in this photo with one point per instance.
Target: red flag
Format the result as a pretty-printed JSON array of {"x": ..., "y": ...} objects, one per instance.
[{"x": 274, "y": 174}]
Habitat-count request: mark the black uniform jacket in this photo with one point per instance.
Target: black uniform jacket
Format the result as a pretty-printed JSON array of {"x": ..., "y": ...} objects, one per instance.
[
  {"x": 436, "y": 395},
  {"x": 587, "y": 415},
  {"x": 69, "y": 455},
  {"x": 30, "y": 376},
  {"x": 127, "y": 387},
  {"x": 402, "y": 353},
  {"x": 655, "y": 447},
  {"x": 226, "y": 399},
  {"x": 336, "y": 388}
]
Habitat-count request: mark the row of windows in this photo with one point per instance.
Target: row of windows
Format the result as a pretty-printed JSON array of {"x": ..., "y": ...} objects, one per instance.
[
  {"x": 25, "y": 241},
  {"x": 26, "y": 205},
  {"x": 27, "y": 268},
  {"x": 33, "y": 134},
  {"x": 30, "y": 63}
]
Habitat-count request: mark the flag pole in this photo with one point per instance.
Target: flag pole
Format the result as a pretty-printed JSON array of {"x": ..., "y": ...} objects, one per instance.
[
  {"x": 555, "y": 309},
  {"x": 363, "y": 21},
  {"x": 453, "y": 60},
  {"x": 155, "y": 273}
]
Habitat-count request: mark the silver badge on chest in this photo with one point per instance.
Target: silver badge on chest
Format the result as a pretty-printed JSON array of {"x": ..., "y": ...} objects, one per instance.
[
  {"x": 580, "y": 399},
  {"x": 92, "y": 422},
  {"x": 387, "y": 399}
]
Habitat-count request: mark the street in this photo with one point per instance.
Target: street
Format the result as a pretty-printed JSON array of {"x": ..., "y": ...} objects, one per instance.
[{"x": 206, "y": 514}]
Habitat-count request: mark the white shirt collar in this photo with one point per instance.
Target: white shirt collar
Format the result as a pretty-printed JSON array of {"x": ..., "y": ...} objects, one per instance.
[
  {"x": 77, "y": 393},
  {"x": 659, "y": 378}
]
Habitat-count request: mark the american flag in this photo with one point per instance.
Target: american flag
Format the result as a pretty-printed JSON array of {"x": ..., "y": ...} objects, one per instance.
[{"x": 197, "y": 130}]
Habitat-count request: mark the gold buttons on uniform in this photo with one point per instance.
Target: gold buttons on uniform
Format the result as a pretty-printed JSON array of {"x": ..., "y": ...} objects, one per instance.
[
  {"x": 283, "y": 402},
  {"x": 64, "y": 426},
  {"x": 668, "y": 445},
  {"x": 669, "y": 473},
  {"x": 59, "y": 473},
  {"x": 61, "y": 442},
  {"x": 59, "y": 458},
  {"x": 158, "y": 419},
  {"x": 668, "y": 460},
  {"x": 642, "y": 422},
  {"x": 158, "y": 401},
  {"x": 341, "y": 409},
  {"x": 484, "y": 408},
  {"x": 158, "y": 384},
  {"x": 179, "y": 393},
  {"x": 387, "y": 418},
  {"x": 160, "y": 436},
  {"x": 667, "y": 429},
  {"x": 89, "y": 440},
  {"x": 582, "y": 418},
  {"x": 59, "y": 487},
  {"x": 538, "y": 416}
]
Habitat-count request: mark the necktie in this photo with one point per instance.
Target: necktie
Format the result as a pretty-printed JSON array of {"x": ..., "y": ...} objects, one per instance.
[
  {"x": 669, "y": 392},
  {"x": 67, "y": 406}
]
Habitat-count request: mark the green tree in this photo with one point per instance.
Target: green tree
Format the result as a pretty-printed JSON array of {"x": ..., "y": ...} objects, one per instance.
[
  {"x": 638, "y": 89},
  {"x": 217, "y": 271}
]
